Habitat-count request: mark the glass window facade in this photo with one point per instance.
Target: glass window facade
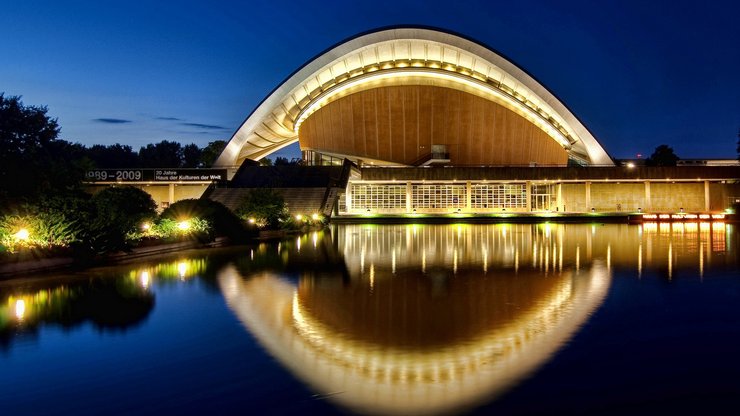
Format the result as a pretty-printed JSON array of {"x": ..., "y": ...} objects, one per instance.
[
  {"x": 497, "y": 196},
  {"x": 438, "y": 196},
  {"x": 378, "y": 197}
]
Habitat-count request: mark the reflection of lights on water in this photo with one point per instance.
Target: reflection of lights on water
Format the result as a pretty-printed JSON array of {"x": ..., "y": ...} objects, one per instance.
[
  {"x": 701, "y": 259},
  {"x": 485, "y": 260},
  {"x": 145, "y": 279},
  {"x": 670, "y": 260},
  {"x": 20, "y": 308},
  {"x": 372, "y": 276},
  {"x": 298, "y": 244},
  {"x": 608, "y": 257},
  {"x": 393, "y": 262},
  {"x": 251, "y": 254},
  {"x": 578, "y": 258},
  {"x": 639, "y": 261},
  {"x": 182, "y": 268},
  {"x": 315, "y": 238},
  {"x": 454, "y": 262}
]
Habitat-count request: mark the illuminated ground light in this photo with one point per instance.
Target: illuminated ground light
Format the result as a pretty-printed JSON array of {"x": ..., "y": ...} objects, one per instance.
[
  {"x": 315, "y": 217},
  {"x": 251, "y": 220},
  {"x": 22, "y": 235},
  {"x": 146, "y": 226},
  {"x": 183, "y": 225},
  {"x": 299, "y": 217}
]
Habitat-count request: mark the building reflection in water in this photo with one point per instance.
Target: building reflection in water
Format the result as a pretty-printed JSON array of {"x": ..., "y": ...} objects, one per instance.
[{"x": 438, "y": 318}]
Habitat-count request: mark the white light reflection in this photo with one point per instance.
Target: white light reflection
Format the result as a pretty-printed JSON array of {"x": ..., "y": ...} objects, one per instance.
[
  {"x": 20, "y": 309},
  {"x": 145, "y": 279},
  {"x": 182, "y": 269}
]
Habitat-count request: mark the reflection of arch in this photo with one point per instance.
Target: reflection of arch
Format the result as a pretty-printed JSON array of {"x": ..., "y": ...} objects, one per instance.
[
  {"x": 403, "y": 57},
  {"x": 372, "y": 378}
]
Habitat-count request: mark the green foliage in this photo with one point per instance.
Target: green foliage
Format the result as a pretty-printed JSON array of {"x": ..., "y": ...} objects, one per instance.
[
  {"x": 169, "y": 229},
  {"x": 266, "y": 207},
  {"x": 222, "y": 220},
  {"x": 118, "y": 213},
  {"x": 56, "y": 222}
]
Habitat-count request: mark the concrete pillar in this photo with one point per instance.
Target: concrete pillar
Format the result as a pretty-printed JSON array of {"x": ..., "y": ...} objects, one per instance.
[
  {"x": 588, "y": 197},
  {"x": 707, "y": 200},
  {"x": 528, "y": 189},
  {"x": 648, "y": 202},
  {"x": 560, "y": 206},
  {"x": 348, "y": 198},
  {"x": 409, "y": 197},
  {"x": 171, "y": 195},
  {"x": 468, "y": 196}
]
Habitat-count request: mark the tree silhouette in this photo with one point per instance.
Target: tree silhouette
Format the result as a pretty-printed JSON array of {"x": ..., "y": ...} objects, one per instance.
[
  {"x": 210, "y": 153},
  {"x": 662, "y": 156},
  {"x": 113, "y": 156},
  {"x": 32, "y": 160},
  {"x": 191, "y": 156},
  {"x": 164, "y": 154}
]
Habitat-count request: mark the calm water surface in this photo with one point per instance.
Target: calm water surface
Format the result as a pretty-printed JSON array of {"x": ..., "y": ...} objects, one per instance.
[{"x": 400, "y": 319}]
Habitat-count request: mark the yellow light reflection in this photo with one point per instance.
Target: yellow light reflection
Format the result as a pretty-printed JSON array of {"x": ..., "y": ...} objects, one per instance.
[{"x": 182, "y": 268}]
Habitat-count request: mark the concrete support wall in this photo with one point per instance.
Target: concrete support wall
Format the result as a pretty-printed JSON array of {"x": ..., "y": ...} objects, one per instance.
[
  {"x": 573, "y": 197},
  {"x": 617, "y": 197},
  {"x": 671, "y": 197}
]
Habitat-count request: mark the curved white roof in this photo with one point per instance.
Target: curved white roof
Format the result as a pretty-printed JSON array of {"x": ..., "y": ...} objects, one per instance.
[{"x": 406, "y": 56}]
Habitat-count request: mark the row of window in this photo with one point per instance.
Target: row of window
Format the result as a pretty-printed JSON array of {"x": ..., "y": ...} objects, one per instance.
[{"x": 436, "y": 196}]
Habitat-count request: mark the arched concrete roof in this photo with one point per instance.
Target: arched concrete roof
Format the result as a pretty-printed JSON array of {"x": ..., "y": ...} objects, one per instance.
[{"x": 413, "y": 54}]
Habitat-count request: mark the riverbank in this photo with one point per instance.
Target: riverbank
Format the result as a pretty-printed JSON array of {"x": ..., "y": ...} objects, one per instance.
[
  {"x": 530, "y": 218},
  {"x": 22, "y": 266}
]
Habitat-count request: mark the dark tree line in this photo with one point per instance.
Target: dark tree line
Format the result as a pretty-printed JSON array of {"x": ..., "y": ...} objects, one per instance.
[
  {"x": 165, "y": 154},
  {"x": 34, "y": 161}
]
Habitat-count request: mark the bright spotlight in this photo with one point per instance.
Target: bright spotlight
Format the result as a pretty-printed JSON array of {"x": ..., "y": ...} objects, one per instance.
[
  {"x": 299, "y": 217},
  {"x": 315, "y": 217},
  {"x": 184, "y": 225},
  {"x": 22, "y": 235}
]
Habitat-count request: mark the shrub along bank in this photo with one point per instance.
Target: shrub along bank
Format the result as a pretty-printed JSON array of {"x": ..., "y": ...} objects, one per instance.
[{"x": 115, "y": 219}]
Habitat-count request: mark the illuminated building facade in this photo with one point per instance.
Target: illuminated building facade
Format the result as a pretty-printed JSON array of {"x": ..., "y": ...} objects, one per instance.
[{"x": 438, "y": 124}]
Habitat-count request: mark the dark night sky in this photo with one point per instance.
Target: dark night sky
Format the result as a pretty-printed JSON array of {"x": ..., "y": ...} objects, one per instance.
[{"x": 637, "y": 73}]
